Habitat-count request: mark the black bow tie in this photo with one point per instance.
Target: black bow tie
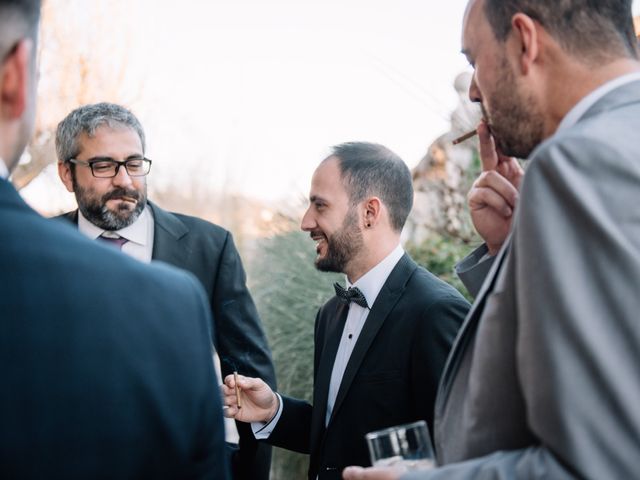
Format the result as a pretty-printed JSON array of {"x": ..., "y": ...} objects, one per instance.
[{"x": 353, "y": 294}]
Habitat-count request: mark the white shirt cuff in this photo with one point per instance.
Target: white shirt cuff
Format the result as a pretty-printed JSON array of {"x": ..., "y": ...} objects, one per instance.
[{"x": 262, "y": 430}]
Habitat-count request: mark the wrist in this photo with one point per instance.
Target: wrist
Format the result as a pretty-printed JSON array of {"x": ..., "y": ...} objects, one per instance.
[{"x": 275, "y": 405}]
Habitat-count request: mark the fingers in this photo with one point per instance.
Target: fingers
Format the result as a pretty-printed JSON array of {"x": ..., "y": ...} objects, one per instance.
[
  {"x": 353, "y": 473},
  {"x": 373, "y": 473},
  {"x": 509, "y": 168},
  {"x": 493, "y": 159},
  {"x": 493, "y": 190},
  {"x": 488, "y": 153}
]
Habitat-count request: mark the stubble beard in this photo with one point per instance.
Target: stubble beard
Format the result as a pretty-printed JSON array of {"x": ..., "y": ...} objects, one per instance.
[
  {"x": 514, "y": 118},
  {"x": 96, "y": 211},
  {"x": 342, "y": 246}
]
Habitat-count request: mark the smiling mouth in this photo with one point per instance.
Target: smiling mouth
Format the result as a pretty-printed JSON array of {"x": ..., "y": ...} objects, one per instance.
[{"x": 320, "y": 241}]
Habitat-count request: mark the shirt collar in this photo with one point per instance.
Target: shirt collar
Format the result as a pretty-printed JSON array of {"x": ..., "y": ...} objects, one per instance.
[
  {"x": 4, "y": 171},
  {"x": 136, "y": 232},
  {"x": 580, "y": 108},
  {"x": 371, "y": 282}
]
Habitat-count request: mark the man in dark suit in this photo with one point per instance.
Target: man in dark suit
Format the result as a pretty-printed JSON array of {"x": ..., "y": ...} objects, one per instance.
[
  {"x": 105, "y": 362},
  {"x": 542, "y": 382},
  {"x": 112, "y": 202},
  {"x": 378, "y": 357}
]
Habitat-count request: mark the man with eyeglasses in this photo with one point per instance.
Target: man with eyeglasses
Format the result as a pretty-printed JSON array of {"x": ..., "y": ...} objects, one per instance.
[
  {"x": 105, "y": 362},
  {"x": 101, "y": 154}
]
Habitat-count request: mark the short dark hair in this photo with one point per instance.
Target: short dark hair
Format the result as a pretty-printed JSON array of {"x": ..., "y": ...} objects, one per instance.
[
  {"x": 588, "y": 29},
  {"x": 17, "y": 17},
  {"x": 369, "y": 169}
]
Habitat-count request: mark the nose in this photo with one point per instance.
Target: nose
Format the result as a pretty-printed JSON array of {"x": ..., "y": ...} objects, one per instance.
[
  {"x": 474, "y": 92},
  {"x": 308, "y": 223},
  {"x": 122, "y": 178}
]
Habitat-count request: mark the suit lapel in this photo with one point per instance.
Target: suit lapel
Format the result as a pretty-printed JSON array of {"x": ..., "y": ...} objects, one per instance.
[
  {"x": 168, "y": 231},
  {"x": 467, "y": 331},
  {"x": 387, "y": 298},
  {"x": 325, "y": 366}
]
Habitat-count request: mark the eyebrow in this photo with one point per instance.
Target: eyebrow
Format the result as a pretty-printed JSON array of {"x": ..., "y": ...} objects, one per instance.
[
  {"x": 134, "y": 156},
  {"x": 316, "y": 198}
]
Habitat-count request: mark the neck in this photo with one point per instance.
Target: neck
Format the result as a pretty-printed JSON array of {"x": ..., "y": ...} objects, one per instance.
[
  {"x": 371, "y": 254},
  {"x": 573, "y": 81}
]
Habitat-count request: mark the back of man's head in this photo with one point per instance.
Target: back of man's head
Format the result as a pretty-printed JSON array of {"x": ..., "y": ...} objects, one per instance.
[
  {"x": 87, "y": 119},
  {"x": 369, "y": 169},
  {"x": 18, "y": 19},
  {"x": 18, "y": 34},
  {"x": 590, "y": 30}
]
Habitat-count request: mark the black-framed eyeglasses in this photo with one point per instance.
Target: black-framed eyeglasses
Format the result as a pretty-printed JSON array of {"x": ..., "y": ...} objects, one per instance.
[{"x": 108, "y": 168}]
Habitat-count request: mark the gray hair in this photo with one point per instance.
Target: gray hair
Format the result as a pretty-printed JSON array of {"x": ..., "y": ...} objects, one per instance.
[
  {"x": 88, "y": 119},
  {"x": 370, "y": 169}
]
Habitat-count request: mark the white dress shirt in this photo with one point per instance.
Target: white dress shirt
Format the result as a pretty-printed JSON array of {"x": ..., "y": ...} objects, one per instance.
[
  {"x": 4, "y": 171},
  {"x": 370, "y": 285},
  {"x": 139, "y": 234}
]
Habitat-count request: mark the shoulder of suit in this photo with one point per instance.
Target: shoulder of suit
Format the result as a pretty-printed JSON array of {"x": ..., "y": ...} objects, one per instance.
[
  {"x": 431, "y": 287},
  {"x": 191, "y": 222}
]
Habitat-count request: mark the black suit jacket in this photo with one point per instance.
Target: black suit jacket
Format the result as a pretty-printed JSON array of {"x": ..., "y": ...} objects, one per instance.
[
  {"x": 391, "y": 377},
  {"x": 105, "y": 362},
  {"x": 208, "y": 251}
]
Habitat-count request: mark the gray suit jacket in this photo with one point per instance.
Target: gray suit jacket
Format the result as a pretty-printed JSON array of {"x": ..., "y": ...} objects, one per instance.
[{"x": 543, "y": 379}]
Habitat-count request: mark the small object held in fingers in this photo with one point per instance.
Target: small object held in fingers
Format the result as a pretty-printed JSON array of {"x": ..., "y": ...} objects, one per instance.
[
  {"x": 464, "y": 137},
  {"x": 235, "y": 379}
]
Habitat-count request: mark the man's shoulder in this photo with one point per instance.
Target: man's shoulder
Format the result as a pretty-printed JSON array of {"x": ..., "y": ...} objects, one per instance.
[
  {"x": 190, "y": 222},
  {"x": 64, "y": 253},
  {"x": 427, "y": 288},
  {"x": 71, "y": 216}
]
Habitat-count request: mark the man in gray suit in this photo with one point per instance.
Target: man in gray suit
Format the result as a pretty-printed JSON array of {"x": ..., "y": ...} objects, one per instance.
[{"x": 542, "y": 381}]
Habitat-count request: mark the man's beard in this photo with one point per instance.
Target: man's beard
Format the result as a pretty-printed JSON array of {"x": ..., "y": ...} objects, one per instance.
[
  {"x": 96, "y": 211},
  {"x": 342, "y": 246},
  {"x": 513, "y": 117}
]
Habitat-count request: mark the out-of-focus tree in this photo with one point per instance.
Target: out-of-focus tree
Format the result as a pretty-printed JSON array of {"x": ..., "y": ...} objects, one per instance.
[{"x": 84, "y": 57}]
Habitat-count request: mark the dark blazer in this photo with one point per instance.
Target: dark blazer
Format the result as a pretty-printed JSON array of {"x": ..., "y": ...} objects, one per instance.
[
  {"x": 392, "y": 374},
  {"x": 105, "y": 362},
  {"x": 208, "y": 251}
]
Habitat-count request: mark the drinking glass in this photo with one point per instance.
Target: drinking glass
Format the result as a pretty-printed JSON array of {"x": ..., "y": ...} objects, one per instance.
[{"x": 408, "y": 446}]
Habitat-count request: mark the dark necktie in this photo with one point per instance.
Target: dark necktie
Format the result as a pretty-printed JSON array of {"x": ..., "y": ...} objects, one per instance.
[
  {"x": 114, "y": 242},
  {"x": 352, "y": 294}
]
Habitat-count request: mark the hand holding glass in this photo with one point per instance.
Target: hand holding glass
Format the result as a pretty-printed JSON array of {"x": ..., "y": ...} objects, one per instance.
[{"x": 407, "y": 446}]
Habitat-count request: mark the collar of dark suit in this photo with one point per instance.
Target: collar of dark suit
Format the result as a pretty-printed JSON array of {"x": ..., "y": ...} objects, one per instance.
[{"x": 167, "y": 222}]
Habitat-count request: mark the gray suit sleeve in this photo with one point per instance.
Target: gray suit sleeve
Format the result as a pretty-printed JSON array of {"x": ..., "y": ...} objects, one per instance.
[
  {"x": 473, "y": 269},
  {"x": 577, "y": 254}
]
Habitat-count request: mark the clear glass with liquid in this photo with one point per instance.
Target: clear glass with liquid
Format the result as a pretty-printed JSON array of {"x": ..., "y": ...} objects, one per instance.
[{"x": 408, "y": 446}]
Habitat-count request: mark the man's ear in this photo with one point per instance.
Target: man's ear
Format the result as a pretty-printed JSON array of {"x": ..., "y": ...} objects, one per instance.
[
  {"x": 15, "y": 78},
  {"x": 66, "y": 175},
  {"x": 527, "y": 40},
  {"x": 372, "y": 211}
]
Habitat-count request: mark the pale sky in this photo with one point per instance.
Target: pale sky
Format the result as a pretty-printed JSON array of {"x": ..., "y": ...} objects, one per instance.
[{"x": 247, "y": 95}]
